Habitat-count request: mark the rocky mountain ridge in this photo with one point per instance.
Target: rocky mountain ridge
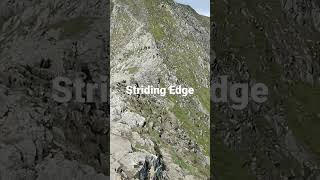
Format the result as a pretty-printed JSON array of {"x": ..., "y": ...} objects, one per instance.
[{"x": 159, "y": 43}]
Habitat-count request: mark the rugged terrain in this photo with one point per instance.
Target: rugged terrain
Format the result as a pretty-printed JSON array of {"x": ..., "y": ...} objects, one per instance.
[
  {"x": 159, "y": 43},
  {"x": 276, "y": 42},
  {"x": 42, "y": 139}
]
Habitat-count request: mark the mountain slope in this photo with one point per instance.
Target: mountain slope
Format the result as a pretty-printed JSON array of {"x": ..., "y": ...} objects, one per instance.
[
  {"x": 159, "y": 43},
  {"x": 277, "y": 43}
]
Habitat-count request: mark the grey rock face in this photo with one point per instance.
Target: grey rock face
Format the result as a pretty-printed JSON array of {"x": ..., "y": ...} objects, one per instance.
[
  {"x": 41, "y": 138},
  {"x": 159, "y": 43},
  {"x": 152, "y": 137}
]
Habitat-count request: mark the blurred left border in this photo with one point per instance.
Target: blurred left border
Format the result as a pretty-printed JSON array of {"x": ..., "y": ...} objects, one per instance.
[{"x": 44, "y": 137}]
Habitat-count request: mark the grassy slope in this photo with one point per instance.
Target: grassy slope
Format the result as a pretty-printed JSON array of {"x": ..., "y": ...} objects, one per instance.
[{"x": 163, "y": 27}]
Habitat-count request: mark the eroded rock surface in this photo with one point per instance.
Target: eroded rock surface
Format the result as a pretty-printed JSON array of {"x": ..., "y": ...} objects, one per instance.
[
  {"x": 41, "y": 138},
  {"x": 159, "y": 43}
]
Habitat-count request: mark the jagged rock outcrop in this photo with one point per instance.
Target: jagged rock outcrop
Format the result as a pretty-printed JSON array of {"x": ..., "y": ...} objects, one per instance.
[
  {"x": 151, "y": 137},
  {"x": 159, "y": 43}
]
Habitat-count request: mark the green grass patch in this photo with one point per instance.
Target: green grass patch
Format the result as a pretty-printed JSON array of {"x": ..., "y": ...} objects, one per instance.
[
  {"x": 133, "y": 70},
  {"x": 204, "y": 97},
  {"x": 190, "y": 167},
  {"x": 157, "y": 31},
  {"x": 193, "y": 130},
  {"x": 159, "y": 20}
]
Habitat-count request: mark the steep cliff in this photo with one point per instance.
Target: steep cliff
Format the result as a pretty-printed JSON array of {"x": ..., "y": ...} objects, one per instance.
[{"x": 159, "y": 43}]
